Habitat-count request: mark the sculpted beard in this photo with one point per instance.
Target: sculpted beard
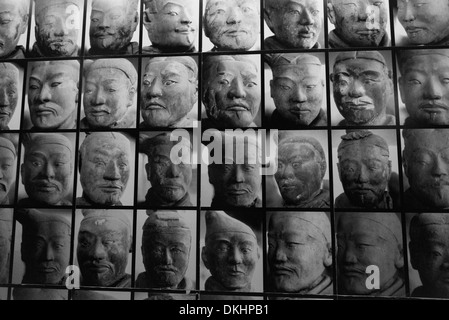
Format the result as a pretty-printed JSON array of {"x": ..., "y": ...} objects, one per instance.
[
  {"x": 236, "y": 118},
  {"x": 121, "y": 38},
  {"x": 53, "y": 47}
]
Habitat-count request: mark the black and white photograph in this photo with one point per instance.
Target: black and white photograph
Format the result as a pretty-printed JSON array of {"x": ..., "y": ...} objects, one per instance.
[{"x": 213, "y": 150}]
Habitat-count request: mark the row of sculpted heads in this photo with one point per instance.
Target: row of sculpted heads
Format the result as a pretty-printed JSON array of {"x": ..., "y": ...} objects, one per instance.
[
  {"x": 48, "y": 167},
  {"x": 105, "y": 160},
  {"x": 362, "y": 88},
  {"x": 231, "y": 91},
  {"x": 169, "y": 93},
  {"x": 172, "y": 26},
  {"x": 299, "y": 251}
]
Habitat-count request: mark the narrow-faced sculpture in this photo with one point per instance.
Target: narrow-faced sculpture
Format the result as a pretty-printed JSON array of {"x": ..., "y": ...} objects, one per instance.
[
  {"x": 364, "y": 169},
  {"x": 169, "y": 92},
  {"x": 58, "y": 25},
  {"x": 9, "y": 93},
  {"x": 231, "y": 91},
  {"x": 47, "y": 169},
  {"x": 366, "y": 239},
  {"x": 110, "y": 94},
  {"x": 299, "y": 252},
  {"x": 298, "y": 90},
  {"x": 230, "y": 253},
  {"x": 172, "y": 25},
  {"x": 236, "y": 179},
  {"x": 232, "y": 24},
  {"x": 426, "y": 165},
  {"x": 166, "y": 243},
  {"x": 170, "y": 182},
  {"x": 13, "y": 24},
  {"x": 424, "y": 22},
  {"x": 428, "y": 253},
  {"x": 6, "y": 218},
  {"x": 45, "y": 247},
  {"x": 423, "y": 86},
  {"x": 53, "y": 94},
  {"x": 296, "y": 24},
  {"x": 104, "y": 168},
  {"x": 112, "y": 26},
  {"x": 104, "y": 244},
  {"x": 362, "y": 88},
  {"x": 301, "y": 169},
  {"x": 8, "y": 158},
  {"x": 359, "y": 23}
]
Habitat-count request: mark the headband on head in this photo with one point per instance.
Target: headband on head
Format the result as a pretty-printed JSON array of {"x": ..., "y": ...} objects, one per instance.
[
  {"x": 38, "y": 139},
  {"x": 353, "y": 55}
]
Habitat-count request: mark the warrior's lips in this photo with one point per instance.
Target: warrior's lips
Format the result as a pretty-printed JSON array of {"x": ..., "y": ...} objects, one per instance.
[
  {"x": 100, "y": 268},
  {"x": 413, "y": 30},
  {"x": 279, "y": 271},
  {"x": 433, "y": 107},
  {"x": 154, "y": 106},
  {"x": 367, "y": 31},
  {"x": 299, "y": 111},
  {"x": 235, "y": 273},
  {"x": 44, "y": 111},
  {"x": 110, "y": 188},
  {"x": 46, "y": 187},
  {"x": 236, "y": 33},
  {"x": 306, "y": 34},
  {"x": 237, "y": 192},
  {"x": 352, "y": 272},
  {"x": 165, "y": 270},
  {"x": 359, "y": 106},
  {"x": 237, "y": 107},
  {"x": 185, "y": 30},
  {"x": 46, "y": 269},
  {"x": 98, "y": 113}
]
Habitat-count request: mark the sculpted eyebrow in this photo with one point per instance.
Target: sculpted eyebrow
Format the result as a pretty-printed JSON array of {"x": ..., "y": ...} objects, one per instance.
[
  {"x": 371, "y": 73},
  {"x": 33, "y": 78},
  {"x": 170, "y": 74}
]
